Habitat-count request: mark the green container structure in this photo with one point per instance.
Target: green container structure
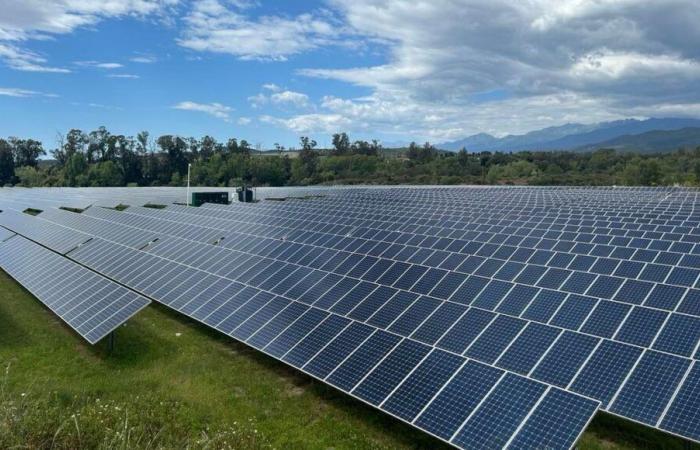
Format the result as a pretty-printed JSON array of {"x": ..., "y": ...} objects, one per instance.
[{"x": 199, "y": 198}]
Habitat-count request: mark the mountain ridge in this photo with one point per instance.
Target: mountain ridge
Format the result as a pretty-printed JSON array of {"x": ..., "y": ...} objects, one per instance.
[{"x": 572, "y": 136}]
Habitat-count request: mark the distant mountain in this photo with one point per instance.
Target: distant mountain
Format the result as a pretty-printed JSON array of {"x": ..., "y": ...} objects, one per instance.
[
  {"x": 652, "y": 141},
  {"x": 570, "y": 136}
]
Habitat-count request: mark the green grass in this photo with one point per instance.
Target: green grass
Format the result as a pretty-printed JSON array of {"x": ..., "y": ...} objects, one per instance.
[{"x": 172, "y": 383}]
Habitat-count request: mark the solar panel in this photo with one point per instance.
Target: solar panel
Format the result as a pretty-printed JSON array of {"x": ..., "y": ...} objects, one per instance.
[
  {"x": 87, "y": 302},
  {"x": 564, "y": 300}
]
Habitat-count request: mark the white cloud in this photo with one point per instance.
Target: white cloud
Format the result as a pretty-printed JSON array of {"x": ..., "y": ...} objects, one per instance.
[
  {"x": 18, "y": 92},
  {"x": 213, "y": 109},
  {"x": 468, "y": 66},
  {"x": 244, "y": 121},
  {"x": 26, "y": 61},
  {"x": 25, "y": 20},
  {"x": 279, "y": 97},
  {"x": 212, "y": 26},
  {"x": 271, "y": 87},
  {"x": 143, "y": 59},
  {"x": 99, "y": 65},
  {"x": 123, "y": 75}
]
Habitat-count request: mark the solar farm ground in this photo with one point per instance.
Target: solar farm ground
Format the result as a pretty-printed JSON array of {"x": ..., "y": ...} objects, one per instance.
[{"x": 172, "y": 383}]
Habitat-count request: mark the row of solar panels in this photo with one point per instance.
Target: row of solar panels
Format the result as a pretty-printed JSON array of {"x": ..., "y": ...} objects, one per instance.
[
  {"x": 345, "y": 351},
  {"x": 568, "y": 347},
  {"x": 90, "y": 304}
]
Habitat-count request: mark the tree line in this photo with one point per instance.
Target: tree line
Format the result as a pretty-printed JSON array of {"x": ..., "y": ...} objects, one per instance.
[{"x": 100, "y": 158}]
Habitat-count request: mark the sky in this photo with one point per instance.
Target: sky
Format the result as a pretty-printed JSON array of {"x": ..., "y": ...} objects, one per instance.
[{"x": 394, "y": 70}]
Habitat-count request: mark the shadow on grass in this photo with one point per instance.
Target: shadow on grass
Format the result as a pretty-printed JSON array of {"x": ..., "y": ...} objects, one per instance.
[
  {"x": 11, "y": 332},
  {"x": 335, "y": 398},
  {"x": 626, "y": 434}
]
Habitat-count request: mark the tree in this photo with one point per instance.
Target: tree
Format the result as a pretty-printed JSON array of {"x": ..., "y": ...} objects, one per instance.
[
  {"x": 75, "y": 171},
  {"x": 26, "y": 151},
  {"x": 174, "y": 148},
  {"x": 308, "y": 157},
  {"x": 7, "y": 163},
  {"x": 341, "y": 144},
  {"x": 421, "y": 154},
  {"x": 366, "y": 148}
]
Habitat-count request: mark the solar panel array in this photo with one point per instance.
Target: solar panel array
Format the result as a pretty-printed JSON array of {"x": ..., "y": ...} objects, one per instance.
[
  {"x": 90, "y": 304},
  {"x": 488, "y": 317}
]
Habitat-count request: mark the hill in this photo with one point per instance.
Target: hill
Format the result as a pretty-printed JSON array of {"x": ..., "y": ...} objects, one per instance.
[
  {"x": 652, "y": 141},
  {"x": 572, "y": 136}
]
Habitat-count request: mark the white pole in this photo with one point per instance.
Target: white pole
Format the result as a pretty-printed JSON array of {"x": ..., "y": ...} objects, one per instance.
[{"x": 188, "y": 184}]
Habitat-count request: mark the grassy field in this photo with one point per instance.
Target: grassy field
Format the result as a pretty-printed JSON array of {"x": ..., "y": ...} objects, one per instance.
[{"x": 171, "y": 383}]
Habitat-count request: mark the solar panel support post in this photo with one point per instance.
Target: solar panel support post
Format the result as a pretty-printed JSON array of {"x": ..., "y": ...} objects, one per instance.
[
  {"x": 110, "y": 342},
  {"x": 187, "y": 201}
]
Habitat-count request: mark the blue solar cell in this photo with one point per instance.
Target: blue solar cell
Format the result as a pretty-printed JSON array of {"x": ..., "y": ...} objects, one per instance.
[
  {"x": 606, "y": 318},
  {"x": 573, "y": 312},
  {"x": 517, "y": 300},
  {"x": 390, "y": 372},
  {"x": 528, "y": 348},
  {"x": 578, "y": 282},
  {"x": 252, "y": 323},
  {"x": 296, "y": 332},
  {"x": 353, "y": 298},
  {"x": 465, "y": 330},
  {"x": 393, "y": 273},
  {"x": 690, "y": 303},
  {"x": 426, "y": 283},
  {"x": 509, "y": 270},
  {"x": 338, "y": 349},
  {"x": 468, "y": 291},
  {"x": 629, "y": 269},
  {"x": 410, "y": 277},
  {"x": 553, "y": 278},
  {"x": 499, "y": 416},
  {"x": 446, "y": 287},
  {"x": 328, "y": 298},
  {"x": 530, "y": 275},
  {"x": 544, "y": 306},
  {"x": 489, "y": 267},
  {"x": 633, "y": 292},
  {"x": 494, "y": 340},
  {"x": 564, "y": 359},
  {"x": 655, "y": 272},
  {"x": 641, "y": 326},
  {"x": 458, "y": 399},
  {"x": 439, "y": 322},
  {"x": 276, "y": 325},
  {"x": 682, "y": 416},
  {"x": 421, "y": 386},
  {"x": 414, "y": 316},
  {"x": 605, "y": 372},
  {"x": 683, "y": 276},
  {"x": 605, "y": 287},
  {"x": 582, "y": 262},
  {"x": 556, "y": 422},
  {"x": 372, "y": 303},
  {"x": 392, "y": 309},
  {"x": 665, "y": 297},
  {"x": 680, "y": 335},
  {"x": 604, "y": 266},
  {"x": 362, "y": 360},
  {"x": 651, "y": 385},
  {"x": 492, "y": 294},
  {"x": 316, "y": 340}
]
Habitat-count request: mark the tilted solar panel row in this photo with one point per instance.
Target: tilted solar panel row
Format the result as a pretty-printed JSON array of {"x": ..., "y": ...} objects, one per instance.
[
  {"x": 55, "y": 237},
  {"x": 90, "y": 304},
  {"x": 566, "y": 347}
]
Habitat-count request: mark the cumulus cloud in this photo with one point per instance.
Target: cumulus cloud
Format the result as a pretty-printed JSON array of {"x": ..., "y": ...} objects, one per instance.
[
  {"x": 213, "y": 109},
  {"x": 24, "y": 20},
  {"x": 279, "y": 97},
  {"x": 552, "y": 61},
  {"x": 216, "y": 27}
]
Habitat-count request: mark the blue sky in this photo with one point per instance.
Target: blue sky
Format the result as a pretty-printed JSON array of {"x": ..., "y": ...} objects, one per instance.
[{"x": 270, "y": 71}]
